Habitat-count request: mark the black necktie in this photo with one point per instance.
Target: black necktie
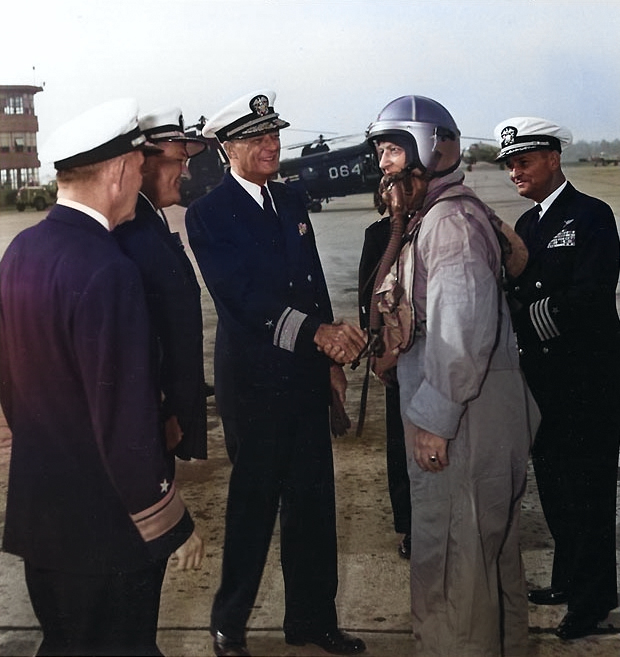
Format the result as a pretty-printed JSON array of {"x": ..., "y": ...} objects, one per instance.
[
  {"x": 538, "y": 209},
  {"x": 267, "y": 205},
  {"x": 535, "y": 229}
]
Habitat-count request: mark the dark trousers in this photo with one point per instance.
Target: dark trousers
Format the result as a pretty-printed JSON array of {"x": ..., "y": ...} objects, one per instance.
[
  {"x": 398, "y": 477},
  {"x": 96, "y": 614},
  {"x": 575, "y": 457},
  {"x": 282, "y": 460}
]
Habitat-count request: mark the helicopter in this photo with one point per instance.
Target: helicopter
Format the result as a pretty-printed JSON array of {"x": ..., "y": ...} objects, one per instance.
[
  {"x": 478, "y": 152},
  {"x": 319, "y": 173}
]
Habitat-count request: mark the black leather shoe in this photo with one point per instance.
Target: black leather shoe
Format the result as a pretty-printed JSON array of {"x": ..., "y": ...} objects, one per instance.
[
  {"x": 575, "y": 625},
  {"x": 224, "y": 646},
  {"x": 548, "y": 596},
  {"x": 334, "y": 641},
  {"x": 404, "y": 547}
]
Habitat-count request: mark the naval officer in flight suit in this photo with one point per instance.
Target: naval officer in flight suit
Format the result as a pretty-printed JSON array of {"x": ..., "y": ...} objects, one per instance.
[
  {"x": 569, "y": 339},
  {"x": 276, "y": 351}
]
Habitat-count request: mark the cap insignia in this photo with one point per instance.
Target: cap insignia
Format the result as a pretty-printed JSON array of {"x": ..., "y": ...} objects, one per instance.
[
  {"x": 260, "y": 105},
  {"x": 508, "y": 135}
]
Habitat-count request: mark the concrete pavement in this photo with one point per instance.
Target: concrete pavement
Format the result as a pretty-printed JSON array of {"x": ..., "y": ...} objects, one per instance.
[{"x": 373, "y": 598}]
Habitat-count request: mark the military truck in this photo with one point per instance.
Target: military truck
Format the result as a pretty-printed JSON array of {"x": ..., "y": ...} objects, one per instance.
[{"x": 38, "y": 197}]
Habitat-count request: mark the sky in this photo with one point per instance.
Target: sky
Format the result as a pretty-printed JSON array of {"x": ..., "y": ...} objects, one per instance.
[{"x": 333, "y": 64}]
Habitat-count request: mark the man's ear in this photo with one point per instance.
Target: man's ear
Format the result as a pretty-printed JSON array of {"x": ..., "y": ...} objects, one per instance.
[
  {"x": 229, "y": 149},
  {"x": 114, "y": 167},
  {"x": 110, "y": 174},
  {"x": 555, "y": 160},
  {"x": 121, "y": 168},
  {"x": 116, "y": 173}
]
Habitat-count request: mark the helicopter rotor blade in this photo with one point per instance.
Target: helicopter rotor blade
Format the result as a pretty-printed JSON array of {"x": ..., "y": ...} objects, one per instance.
[
  {"x": 479, "y": 139},
  {"x": 315, "y": 132},
  {"x": 324, "y": 141}
]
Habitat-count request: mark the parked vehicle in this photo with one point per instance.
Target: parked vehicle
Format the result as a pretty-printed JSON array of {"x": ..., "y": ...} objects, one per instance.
[{"x": 38, "y": 197}]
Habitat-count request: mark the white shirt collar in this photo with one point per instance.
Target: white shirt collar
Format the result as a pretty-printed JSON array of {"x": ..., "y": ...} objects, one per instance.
[
  {"x": 252, "y": 188},
  {"x": 546, "y": 204},
  {"x": 97, "y": 216}
]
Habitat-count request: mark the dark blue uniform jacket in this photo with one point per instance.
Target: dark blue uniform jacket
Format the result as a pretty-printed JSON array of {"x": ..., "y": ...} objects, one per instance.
[
  {"x": 90, "y": 490},
  {"x": 567, "y": 293},
  {"x": 269, "y": 290},
  {"x": 173, "y": 299}
]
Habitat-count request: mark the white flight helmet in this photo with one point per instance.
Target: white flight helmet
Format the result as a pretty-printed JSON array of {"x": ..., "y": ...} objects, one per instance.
[{"x": 425, "y": 129}]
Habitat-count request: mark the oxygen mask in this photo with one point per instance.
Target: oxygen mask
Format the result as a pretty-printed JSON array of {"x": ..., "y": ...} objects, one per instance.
[{"x": 402, "y": 194}]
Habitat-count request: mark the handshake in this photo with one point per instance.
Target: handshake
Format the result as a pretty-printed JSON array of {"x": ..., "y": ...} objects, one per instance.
[{"x": 340, "y": 341}]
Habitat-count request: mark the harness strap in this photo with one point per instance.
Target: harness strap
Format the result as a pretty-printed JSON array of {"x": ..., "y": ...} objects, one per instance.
[
  {"x": 363, "y": 401},
  {"x": 374, "y": 343}
]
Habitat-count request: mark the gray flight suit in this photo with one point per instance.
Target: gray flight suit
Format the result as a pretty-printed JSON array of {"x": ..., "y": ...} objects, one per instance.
[{"x": 461, "y": 381}]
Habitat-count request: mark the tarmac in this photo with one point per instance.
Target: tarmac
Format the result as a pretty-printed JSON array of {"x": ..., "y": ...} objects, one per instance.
[{"x": 373, "y": 595}]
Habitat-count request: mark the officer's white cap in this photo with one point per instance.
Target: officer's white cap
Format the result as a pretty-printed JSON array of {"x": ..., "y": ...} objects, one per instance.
[
  {"x": 248, "y": 116},
  {"x": 166, "y": 124},
  {"x": 521, "y": 134},
  {"x": 101, "y": 133}
]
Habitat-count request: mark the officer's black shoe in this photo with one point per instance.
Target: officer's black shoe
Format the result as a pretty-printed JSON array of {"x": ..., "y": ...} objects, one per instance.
[
  {"x": 547, "y": 596},
  {"x": 575, "y": 625},
  {"x": 224, "y": 646},
  {"x": 334, "y": 641},
  {"x": 404, "y": 547}
]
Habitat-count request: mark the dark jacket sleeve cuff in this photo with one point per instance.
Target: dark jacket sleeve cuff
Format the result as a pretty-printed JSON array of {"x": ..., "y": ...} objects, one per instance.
[
  {"x": 163, "y": 546},
  {"x": 305, "y": 337}
]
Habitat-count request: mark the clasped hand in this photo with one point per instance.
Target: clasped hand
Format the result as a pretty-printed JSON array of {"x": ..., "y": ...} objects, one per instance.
[{"x": 341, "y": 342}]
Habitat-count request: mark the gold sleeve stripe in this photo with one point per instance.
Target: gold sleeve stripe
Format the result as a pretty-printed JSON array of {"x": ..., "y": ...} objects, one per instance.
[
  {"x": 542, "y": 320},
  {"x": 161, "y": 517}
]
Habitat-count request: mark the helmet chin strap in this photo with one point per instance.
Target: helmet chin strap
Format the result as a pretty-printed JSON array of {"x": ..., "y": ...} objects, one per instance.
[
  {"x": 429, "y": 174},
  {"x": 430, "y": 171}
]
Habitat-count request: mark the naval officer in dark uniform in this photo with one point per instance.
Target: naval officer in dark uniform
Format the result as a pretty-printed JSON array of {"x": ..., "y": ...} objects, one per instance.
[
  {"x": 274, "y": 358},
  {"x": 172, "y": 291},
  {"x": 92, "y": 505},
  {"x": 568, "y": 333},
  {"x": 376, "y": 237}
]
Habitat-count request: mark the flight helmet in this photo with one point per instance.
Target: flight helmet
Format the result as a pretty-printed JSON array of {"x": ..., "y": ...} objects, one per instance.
[{"x": 424, "y": 128}]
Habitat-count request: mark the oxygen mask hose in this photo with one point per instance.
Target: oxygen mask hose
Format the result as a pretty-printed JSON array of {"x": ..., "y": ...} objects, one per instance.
[{"x": 403, "y": 194}]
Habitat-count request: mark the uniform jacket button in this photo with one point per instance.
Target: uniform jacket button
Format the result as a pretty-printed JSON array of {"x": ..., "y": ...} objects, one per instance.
[
  {"x": 545, "y": 350},
  {"x": 538, "y": 285}
]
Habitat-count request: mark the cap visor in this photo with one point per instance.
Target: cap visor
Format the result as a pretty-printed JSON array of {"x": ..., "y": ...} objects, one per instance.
[{"x": 149, "y": 147}]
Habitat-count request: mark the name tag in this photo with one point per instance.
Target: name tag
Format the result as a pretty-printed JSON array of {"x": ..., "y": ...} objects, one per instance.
[{"x": 563, "y": 238}]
